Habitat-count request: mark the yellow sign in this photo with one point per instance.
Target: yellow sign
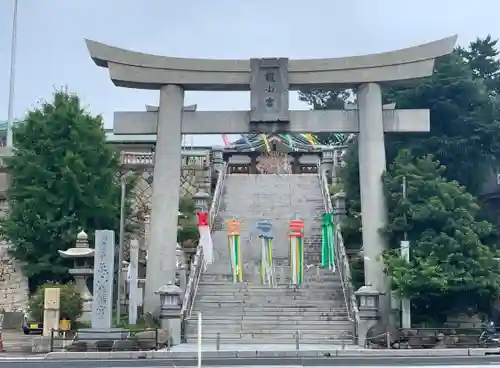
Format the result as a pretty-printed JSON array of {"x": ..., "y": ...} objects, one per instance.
[{"x": 64, "y": 325}]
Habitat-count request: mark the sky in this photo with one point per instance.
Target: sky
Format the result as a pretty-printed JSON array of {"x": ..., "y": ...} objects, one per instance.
[{"x": 51, "y": 52}]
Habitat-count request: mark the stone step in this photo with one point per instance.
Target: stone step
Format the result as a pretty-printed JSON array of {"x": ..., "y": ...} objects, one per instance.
[
  {"x": 298, "y": 320},
  {"x": 272, "y": 313},
  {"x": 255, "y": 313},
  {"x": 284, "y": 303},
  {"x": 263, "y": 293},
  {"x": 275, "y": 324},
  {"x": 266, "y": 297},
  {"x": 335, "y": 343},
  {"x": 224, "y": 288},
  {"x": 218, "y": 280},
  {"x": 317, "y": 331},
  {"x": 214, "y": 309},
  {"x": 269, "y": 298},
  {"x": 276, "y": 335}
]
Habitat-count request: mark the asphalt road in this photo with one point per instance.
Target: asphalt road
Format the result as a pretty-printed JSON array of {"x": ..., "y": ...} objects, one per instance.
[{"x": 337, "y": 362}]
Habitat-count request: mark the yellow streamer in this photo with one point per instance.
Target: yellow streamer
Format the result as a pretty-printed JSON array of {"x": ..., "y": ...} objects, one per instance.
[
  {"x": 310, "y": 138},
  {"x": 266, "y": 142}
]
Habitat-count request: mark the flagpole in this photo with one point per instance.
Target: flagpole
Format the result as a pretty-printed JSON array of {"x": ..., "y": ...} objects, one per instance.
[{"x": 13, "y": 50}]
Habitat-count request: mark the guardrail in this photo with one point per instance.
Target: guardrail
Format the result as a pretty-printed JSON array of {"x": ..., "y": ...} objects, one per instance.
[
  {"x": 137, "y": 158},
  {"x": 341, "y": 258},
  {"x": 198, "y": 263}
]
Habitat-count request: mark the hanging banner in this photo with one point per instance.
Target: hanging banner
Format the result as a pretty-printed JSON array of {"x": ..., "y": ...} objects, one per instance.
[
  {"x": 225, "y": 139},
  {"x": 233, "y": 236},
  {"x": 205, "y": 237},
  {"x": 267, "y": 273},
  {"x": 327, "y": 242},
  {"x": 297, "y": 251}
]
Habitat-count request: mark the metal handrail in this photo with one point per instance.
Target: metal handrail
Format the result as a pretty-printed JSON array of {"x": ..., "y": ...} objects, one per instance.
[
  {"x": 198, "y": 263},
  {"x": 341, "y": 256}
]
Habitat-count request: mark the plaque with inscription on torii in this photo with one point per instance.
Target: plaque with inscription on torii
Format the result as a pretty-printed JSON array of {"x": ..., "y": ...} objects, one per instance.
[{"x": 269, "y": 94}]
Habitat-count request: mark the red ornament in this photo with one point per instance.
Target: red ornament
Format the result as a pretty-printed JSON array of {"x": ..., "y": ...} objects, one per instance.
[{"x": 202, "y": 218}]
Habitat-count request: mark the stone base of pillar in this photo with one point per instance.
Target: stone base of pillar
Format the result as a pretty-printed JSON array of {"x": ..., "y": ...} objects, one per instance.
[
  {"x": 364, "y": 326},
  {"x": 86, "y": 312},
  {"x": 173, "y": 326}
]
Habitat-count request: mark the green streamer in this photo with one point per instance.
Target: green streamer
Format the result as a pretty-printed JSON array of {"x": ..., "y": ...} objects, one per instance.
[{"x": 325, "y": 253}]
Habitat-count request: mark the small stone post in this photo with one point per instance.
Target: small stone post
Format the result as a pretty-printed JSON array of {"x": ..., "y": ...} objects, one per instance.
[
  {"x": 123, "y": 288},
  {"x": 170, "y": 311},
  {"x": 51, "y": 306},
  {"x": 368, "y": 304},
  {"x": 133, "y": 288}
]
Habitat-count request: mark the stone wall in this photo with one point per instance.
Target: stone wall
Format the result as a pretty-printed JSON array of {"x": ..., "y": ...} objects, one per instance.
[{"x": 14, "y": 289}]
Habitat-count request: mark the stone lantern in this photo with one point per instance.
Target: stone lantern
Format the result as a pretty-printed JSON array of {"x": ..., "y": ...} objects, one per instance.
[
  {"x": 170, "y": 310},
  {"x": 217, "y": 159},
  {"x": 180, "y": 261},
  {"x": 82, "y": 256},
  {"x": 201, "y": 201},
  {"x": 368, "y": 299},
  {"x": 327, "y": 163}
]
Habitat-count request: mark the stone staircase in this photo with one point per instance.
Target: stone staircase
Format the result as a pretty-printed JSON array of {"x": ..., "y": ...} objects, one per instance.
[{"x": 250, "y": 312}]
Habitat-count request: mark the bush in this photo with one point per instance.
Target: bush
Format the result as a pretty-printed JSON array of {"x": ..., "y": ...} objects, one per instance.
[{"x": 71, "y": 303}]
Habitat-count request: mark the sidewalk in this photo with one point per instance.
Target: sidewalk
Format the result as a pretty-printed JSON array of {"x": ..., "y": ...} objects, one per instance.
[{"x": 252, "y": 352}]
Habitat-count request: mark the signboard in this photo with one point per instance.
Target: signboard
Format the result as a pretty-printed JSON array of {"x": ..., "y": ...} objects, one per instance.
[{"x": 269, "y": 91}]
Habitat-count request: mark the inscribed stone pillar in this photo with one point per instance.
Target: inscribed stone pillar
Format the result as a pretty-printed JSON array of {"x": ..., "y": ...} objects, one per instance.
[
  {"x": 104, "y": 258},
  {"x": 372, "y": 164},
  {"x": 165, "y": 200},
  {"x": 133, "y": 299},
  {"x": 51, "y": 306}
]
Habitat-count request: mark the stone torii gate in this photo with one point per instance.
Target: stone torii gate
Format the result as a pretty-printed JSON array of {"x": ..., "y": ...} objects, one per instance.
[{"x": 269, "y": 81}]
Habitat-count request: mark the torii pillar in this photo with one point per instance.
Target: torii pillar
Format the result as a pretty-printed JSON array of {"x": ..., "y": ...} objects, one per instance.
[{"x": 269, "y": 81}]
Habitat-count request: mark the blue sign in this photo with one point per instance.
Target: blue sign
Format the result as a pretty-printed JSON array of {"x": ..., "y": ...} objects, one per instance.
[{"x": 264, "y": 227}]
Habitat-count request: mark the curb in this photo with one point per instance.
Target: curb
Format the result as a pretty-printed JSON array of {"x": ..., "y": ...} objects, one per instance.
[{"x": 274, "y": 354}]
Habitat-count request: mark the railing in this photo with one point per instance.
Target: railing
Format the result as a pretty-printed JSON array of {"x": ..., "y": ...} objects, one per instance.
[
  {"x": 137, "y": 158},
  {"x": 342, "y": 261},
  {"x": 198, "y": 264}
]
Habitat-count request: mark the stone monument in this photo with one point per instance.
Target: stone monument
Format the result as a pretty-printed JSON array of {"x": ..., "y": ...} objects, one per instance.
[
  {"x": 102, "y": 303},
  {"x": 269, "y": 81},
  {"x": 82, "y": 256},
  {"x": 51, "y": 306}
]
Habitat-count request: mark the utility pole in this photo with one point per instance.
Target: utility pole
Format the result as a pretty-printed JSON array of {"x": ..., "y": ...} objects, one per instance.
[
  {"x": 405, "y": 254},
  {"x": 13, "y": 51}
]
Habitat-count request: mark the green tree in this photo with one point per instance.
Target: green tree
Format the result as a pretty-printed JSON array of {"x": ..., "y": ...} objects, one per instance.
[
  {"x": 464, "y": 135},
  {"x": 451, "y": 268},
  {"x": 63, "y": 178},
  {"x": 71, "y": 302},
  {"x": 482, "y": 58},
  {"x": 188, "y": 233}
]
